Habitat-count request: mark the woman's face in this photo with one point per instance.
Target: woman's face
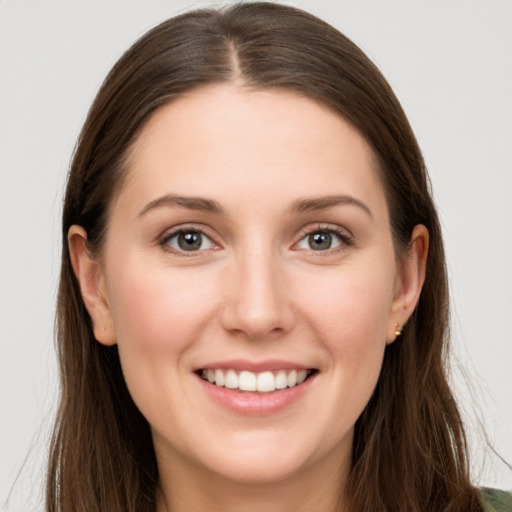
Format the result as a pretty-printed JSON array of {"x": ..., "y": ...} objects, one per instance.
[{"x": 250, "y": 246}]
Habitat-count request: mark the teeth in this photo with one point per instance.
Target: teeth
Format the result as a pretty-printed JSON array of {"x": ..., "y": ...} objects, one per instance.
[
  {"x": 247, "y": 381},
  {"x": 231, "y": 379},
  {"x": 264, "y": 382},
  {"x": 219, "y": 378},
  {"x": 281, "y": 380},
  {"x": 292, "y": 378}
]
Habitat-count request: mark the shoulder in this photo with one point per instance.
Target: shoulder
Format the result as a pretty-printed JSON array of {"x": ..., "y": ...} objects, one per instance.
[{"x": 497, "y": 501}]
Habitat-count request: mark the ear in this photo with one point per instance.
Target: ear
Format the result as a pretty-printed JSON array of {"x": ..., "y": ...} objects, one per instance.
[
  {"x": 409, "y": 282},
  {"x": 90, "y": 278}
]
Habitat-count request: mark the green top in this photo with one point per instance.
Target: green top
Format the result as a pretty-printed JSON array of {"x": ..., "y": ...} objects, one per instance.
[{"x": 496, "y": 500}]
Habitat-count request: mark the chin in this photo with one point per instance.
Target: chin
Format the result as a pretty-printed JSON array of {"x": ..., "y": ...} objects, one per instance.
[
  {"x": 255, "y": 469},
  {"x": 267, "y": 457}
]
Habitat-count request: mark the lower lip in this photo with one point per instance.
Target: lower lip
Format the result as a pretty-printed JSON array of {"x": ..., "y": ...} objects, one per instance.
[{"x": 247, "y": 403}]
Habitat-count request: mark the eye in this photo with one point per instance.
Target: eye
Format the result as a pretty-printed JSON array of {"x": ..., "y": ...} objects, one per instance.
[
  {"x": 188, "y": 240},
  {"x": 323, "y": 240}
]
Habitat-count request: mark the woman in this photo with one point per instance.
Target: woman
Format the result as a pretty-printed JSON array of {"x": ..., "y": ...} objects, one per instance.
[{"x": 253, "y": 303}]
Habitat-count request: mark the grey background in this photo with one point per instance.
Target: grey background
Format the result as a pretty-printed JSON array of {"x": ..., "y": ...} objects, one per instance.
[{"x": 450, "y": 64}]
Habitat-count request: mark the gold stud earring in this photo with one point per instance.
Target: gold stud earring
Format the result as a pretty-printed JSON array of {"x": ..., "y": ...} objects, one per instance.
[{"x": 398, "y": 329}]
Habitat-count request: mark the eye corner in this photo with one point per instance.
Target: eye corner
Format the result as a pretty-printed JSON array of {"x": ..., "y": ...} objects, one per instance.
[
  {"x": 329, "y": 239},
  {"x": 187, "y": 241}
]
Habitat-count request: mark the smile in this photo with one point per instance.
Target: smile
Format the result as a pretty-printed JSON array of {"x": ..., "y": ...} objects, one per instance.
[{"x": 262, "y": 382}]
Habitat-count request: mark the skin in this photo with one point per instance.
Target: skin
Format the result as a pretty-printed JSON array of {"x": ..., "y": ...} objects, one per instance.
[{"x": 256, "y": 290}]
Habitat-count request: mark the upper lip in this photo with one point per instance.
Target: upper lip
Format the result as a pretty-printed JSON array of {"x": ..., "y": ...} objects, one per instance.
[{"x": 254, "y": 366}]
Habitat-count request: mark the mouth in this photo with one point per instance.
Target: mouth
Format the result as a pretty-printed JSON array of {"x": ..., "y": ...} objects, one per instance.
[{"x": 256, "y": 382}]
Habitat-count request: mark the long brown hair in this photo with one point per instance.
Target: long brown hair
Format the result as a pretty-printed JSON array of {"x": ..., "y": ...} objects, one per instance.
[{"x": 409, "y": 450}]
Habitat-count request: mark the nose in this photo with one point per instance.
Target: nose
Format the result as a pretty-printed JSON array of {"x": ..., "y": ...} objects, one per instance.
[{"x": 257, "y": 303}]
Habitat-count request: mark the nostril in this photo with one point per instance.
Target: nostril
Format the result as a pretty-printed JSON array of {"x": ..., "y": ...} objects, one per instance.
[{"x": 258, "y": 305}]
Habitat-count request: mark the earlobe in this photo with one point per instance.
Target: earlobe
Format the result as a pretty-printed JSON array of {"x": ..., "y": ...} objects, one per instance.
[
  {"x": 410, "y": 279},
  {"x": 91, "y": 280}
]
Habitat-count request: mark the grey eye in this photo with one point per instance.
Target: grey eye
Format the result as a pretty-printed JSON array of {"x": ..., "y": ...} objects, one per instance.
[
  {"x": 320, "y": 241},
  {"x": 189, "y": 241}
]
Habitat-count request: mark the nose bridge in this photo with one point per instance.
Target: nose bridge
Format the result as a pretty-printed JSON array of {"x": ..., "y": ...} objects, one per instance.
[{"x": 257, "y": 303}]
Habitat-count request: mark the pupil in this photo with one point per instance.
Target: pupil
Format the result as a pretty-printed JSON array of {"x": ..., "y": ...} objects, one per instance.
[
  {"x": 320, "y": 241},
  {"x": 189, "y": 241}
]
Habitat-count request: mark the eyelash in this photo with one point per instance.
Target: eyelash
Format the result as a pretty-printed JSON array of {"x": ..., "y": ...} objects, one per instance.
[
  {"x": 187, "y": 229},
  {"x": 346, "y": 240}
]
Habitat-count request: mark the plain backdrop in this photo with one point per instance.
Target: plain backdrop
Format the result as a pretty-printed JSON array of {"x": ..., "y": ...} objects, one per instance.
[{"x": 449, "y": 62}]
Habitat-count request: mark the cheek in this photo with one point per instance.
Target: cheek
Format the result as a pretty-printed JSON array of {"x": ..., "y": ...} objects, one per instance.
[
  {"x": 346, "y": 311},
  {"x": 157, "y": 310},
  {"x": 355, "y": 336},
  {"x": 158, "y": 314},
  {"x": 349, "y": 307},
  {"x": 349, "y": 311}
]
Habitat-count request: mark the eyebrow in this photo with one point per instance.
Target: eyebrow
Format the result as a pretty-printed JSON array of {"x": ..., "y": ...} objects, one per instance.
[
  {"x": 324, "y": 202},
  {"x": 189, "y": 202},
  {"x": 210, "y": 206}
]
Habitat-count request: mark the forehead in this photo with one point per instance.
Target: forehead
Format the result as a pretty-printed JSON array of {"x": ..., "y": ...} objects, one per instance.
[{"x": 225, "y": 140}]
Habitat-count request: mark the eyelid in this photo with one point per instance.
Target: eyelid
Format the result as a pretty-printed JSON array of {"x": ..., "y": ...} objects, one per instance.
[
  {"x": 346, "y": 237},
  {"x": 176, "y": 230}
]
